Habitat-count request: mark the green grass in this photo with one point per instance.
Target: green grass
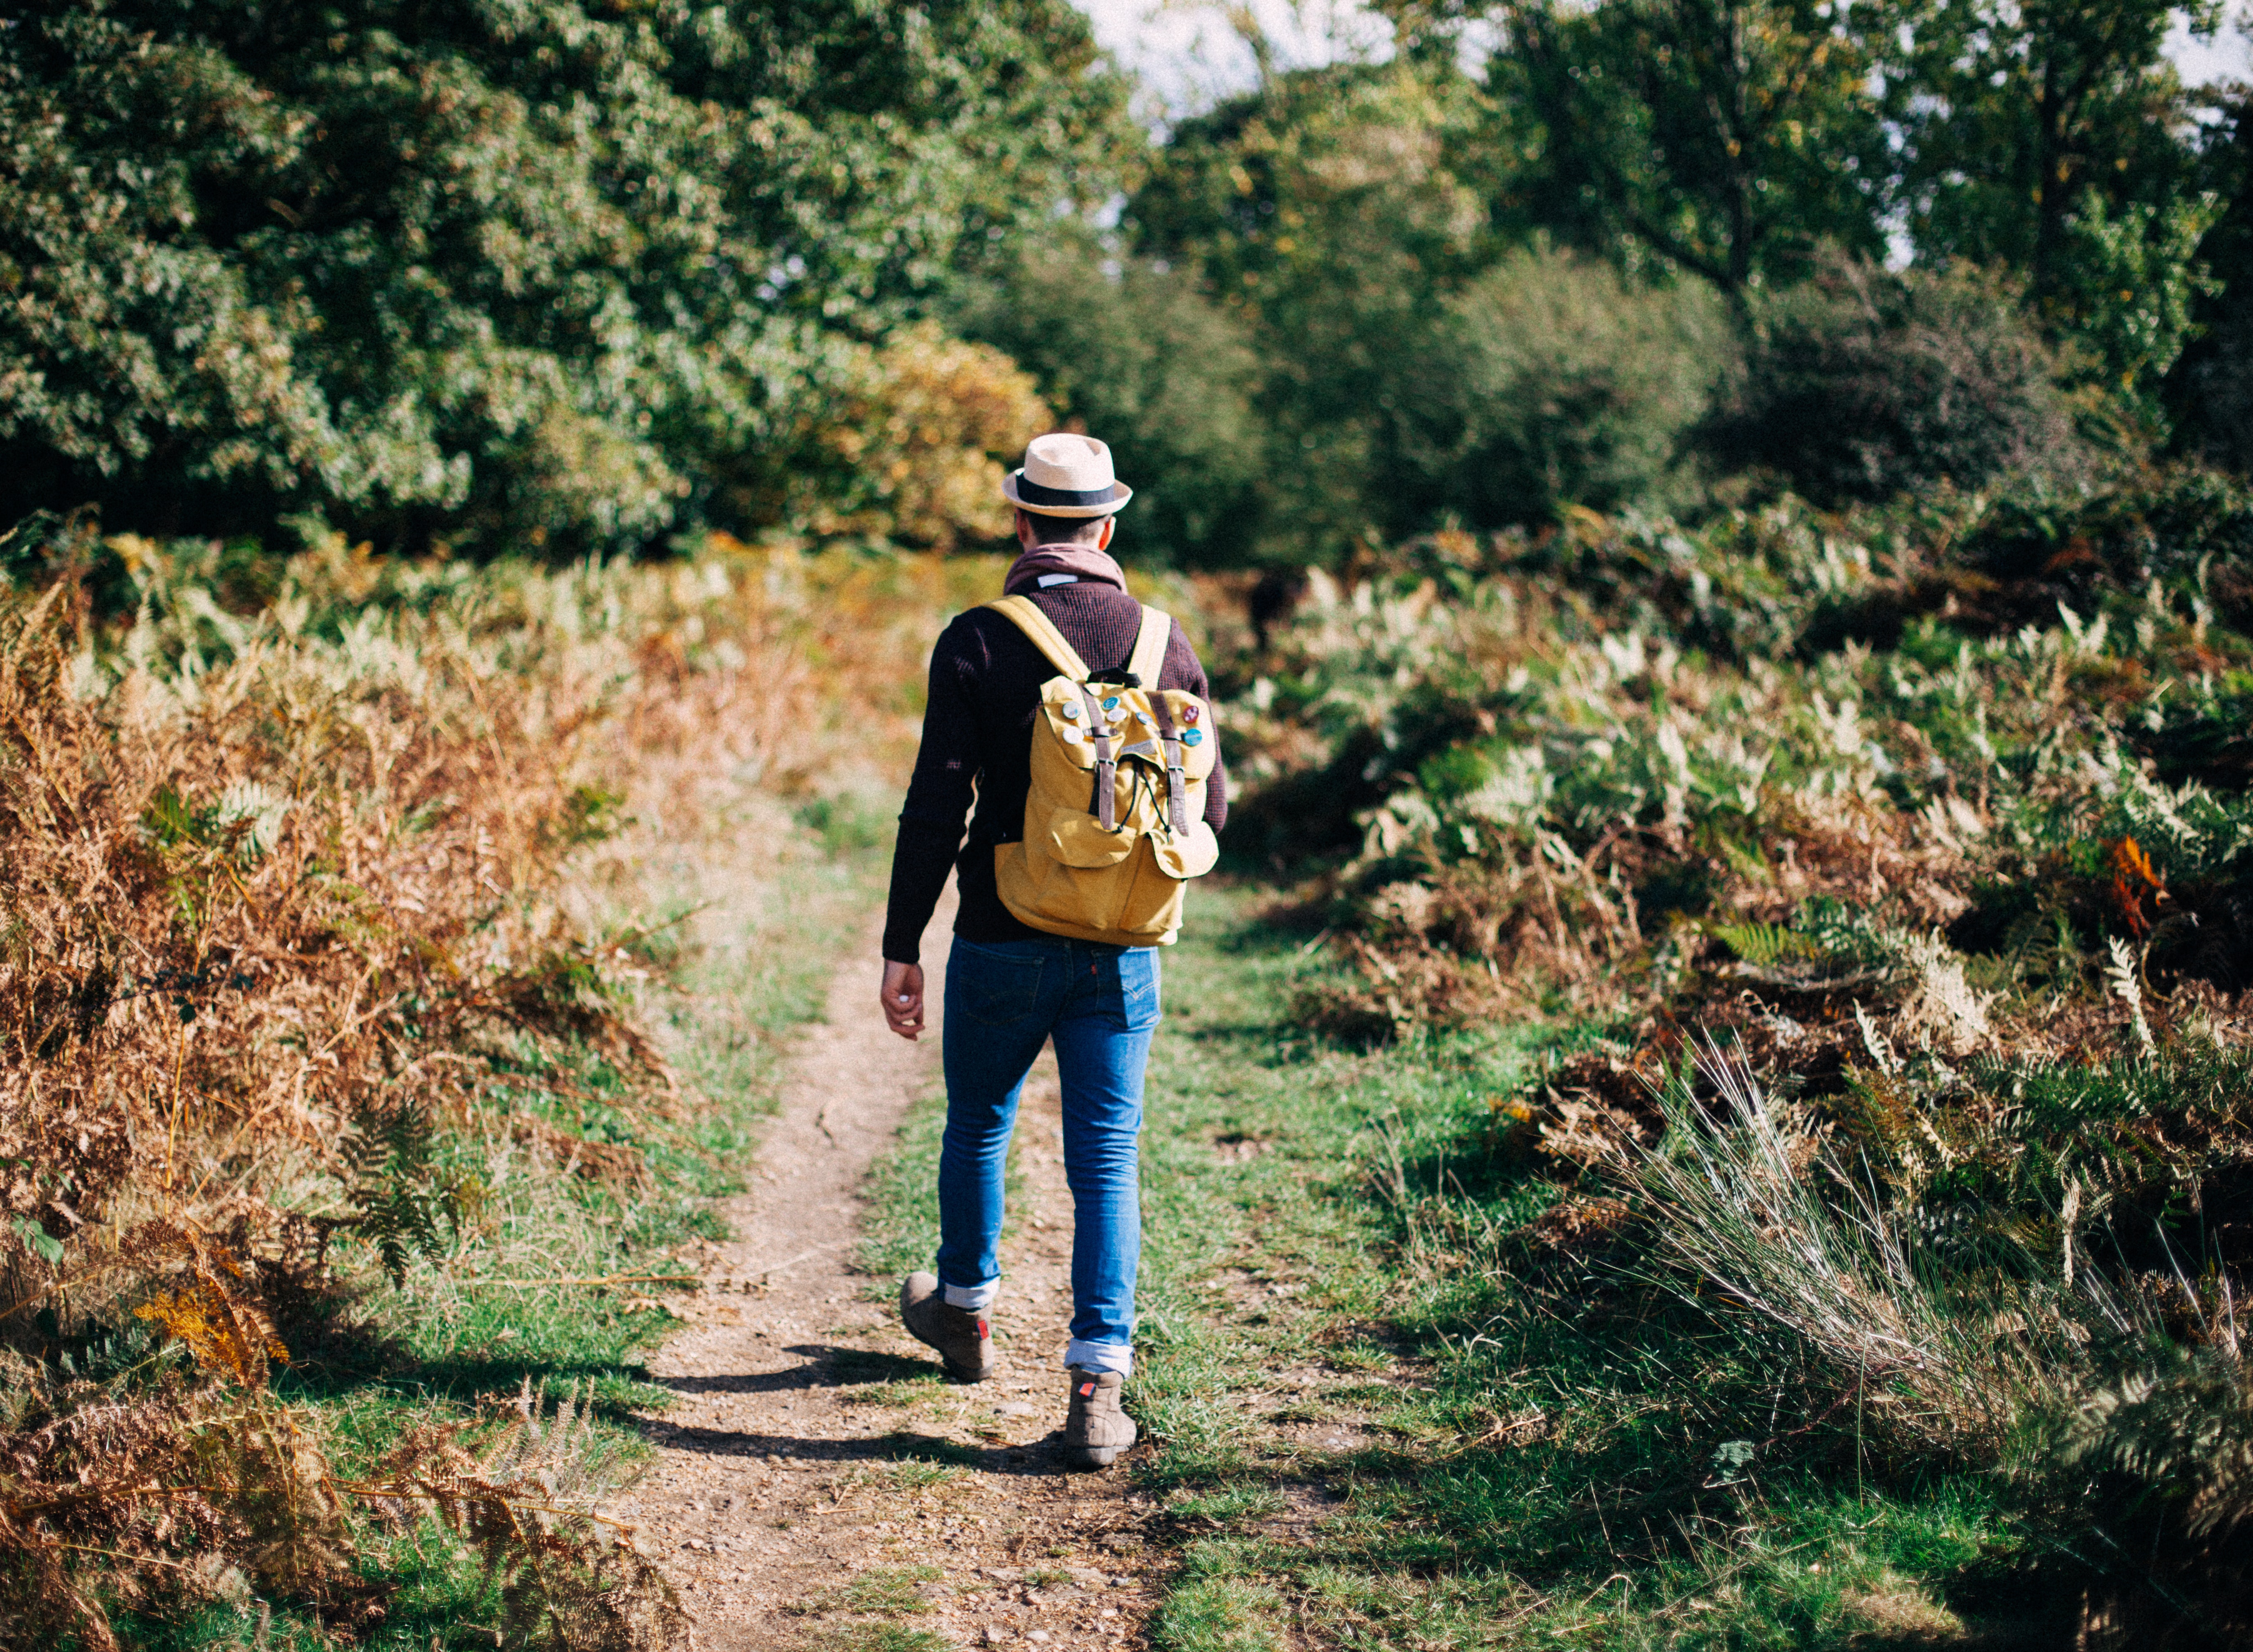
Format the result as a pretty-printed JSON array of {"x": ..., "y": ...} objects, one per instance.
[
  {"x": 929, "y": 1449},
  {"x": 899, "y": 1232},
  {"x": 880, "y": 1637},
  {"x": 1227, "y": 1505},
  {"x": 1534, "y": 1464},
  {"x": 882, "y": 1591},
  {"x": 908, "y": 1473},
  {"x": 1218, "y": 1604},
  {"x": 911, "y": 1391}
]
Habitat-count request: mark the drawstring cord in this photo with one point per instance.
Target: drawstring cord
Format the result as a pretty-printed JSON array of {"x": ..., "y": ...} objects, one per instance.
[{"x": 1141, "y": 783}]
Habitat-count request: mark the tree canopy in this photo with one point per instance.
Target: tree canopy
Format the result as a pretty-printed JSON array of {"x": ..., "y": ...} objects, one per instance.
[
  {"x": 527, "y": 269},
  {"x": 571, "y": 274}
]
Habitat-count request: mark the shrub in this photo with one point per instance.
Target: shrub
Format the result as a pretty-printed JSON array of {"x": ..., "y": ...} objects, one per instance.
[
  {"x": 2219, "y": 417},
  {"x": 1965, "y": 898},
  {"x": 1139, "y": 356},
  {"x": 911, "y": 444},
  {"x": 1863, "y": 383},
  {"x": 1552, "y": 381},
  {"x": 303, "y": 986}
]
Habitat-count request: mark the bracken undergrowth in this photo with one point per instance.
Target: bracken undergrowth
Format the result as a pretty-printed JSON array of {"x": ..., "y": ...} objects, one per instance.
[
  {"x": 313, "y": 980},
  {"x": 1887, "y": 882}
]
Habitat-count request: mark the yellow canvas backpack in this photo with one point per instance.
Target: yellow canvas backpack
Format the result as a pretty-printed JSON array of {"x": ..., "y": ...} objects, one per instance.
[{"x": 1114, "y": 818}]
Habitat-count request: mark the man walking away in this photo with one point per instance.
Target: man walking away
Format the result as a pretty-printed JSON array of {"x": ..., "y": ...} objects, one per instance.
[{"x": 1010, "y": 987}]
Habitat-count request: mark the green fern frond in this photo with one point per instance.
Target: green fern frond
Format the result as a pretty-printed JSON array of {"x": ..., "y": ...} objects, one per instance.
[
  {"x": 1766, "y": 945},
  {"x": 398, "y": 1195}
]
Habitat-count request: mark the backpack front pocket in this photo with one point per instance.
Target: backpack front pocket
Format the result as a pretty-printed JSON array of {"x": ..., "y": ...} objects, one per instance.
[
  {"x": 1190, "y": 855},
  {"x": 1077, "y": 838}
]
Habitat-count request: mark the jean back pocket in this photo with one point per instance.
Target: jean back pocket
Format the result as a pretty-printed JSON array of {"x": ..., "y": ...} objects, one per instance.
[{"x": 992, "y": 987}]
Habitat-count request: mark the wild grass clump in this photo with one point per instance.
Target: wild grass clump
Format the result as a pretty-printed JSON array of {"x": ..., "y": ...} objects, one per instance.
[
  {"x": 1894, "y": 871},
  {"x": 327, "y": 969}
]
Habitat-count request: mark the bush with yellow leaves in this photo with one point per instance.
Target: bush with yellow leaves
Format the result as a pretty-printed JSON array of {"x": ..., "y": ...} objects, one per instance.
[{"x": 914, "y": 443}]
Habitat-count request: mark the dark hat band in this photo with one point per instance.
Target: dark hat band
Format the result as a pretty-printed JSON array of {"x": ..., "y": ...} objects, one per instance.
[{"x": 1031, "y": 492}]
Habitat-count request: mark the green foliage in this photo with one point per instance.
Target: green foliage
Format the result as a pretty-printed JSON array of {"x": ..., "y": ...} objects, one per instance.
[
  {"x": 2016, "y": 121},
  {"x": 1551, "y": 382},
  {"x": 1729, "y": 140},
  {"x": 1767, "y": 943},
  {"x": 490, "y": 274},
  {"x": 1863, "y": 384},
  {"x": 901, "y": 1230},
  {"x": 880, "y": 1637},
  {"x": 2133, "y": 278},
  {"x": 392, "y": 1158},
  {"x": 1208, "y": 1613},
  {"x": 2181, "y": 1431},
  {"x": 1331, "y": 212},
  {"x": 2209, "y": 390},
  {"x": 1139, "y": 354},
  {"x": 889, "y": 1591},
  {"x": 1522, "y": 1417},
  {"x": 1964, "y": 1176}
]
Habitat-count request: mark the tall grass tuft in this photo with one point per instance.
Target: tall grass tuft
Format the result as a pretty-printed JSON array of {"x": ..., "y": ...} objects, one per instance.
[{"x": 1939, "y": 1357}]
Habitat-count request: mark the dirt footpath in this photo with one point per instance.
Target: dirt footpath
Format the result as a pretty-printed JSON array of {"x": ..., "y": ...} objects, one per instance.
[{"x": 814, "y": 1486}]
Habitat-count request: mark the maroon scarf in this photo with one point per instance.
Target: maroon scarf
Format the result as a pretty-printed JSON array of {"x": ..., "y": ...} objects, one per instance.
[{"x": 1081, "y": 562}]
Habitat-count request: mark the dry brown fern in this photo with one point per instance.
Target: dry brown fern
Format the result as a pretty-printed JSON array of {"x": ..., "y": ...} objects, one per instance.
[
  {"x": 285, "y": 890},
  {"x": 568, "y": 1577}
]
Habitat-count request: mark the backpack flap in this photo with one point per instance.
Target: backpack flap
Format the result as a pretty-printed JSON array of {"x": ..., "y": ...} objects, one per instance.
[
  {"x": 1064, "y": 771},
  {"x": 1190, "y": 856},
  {"x": 1059, "y": 817},
  {"x": 1192, "y": 722}
]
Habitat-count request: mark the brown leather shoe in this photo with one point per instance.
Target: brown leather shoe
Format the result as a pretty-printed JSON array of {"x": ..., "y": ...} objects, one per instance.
[
  {"x": 964, "y": 1340},
  {"x": 1096, "y": 1430}
]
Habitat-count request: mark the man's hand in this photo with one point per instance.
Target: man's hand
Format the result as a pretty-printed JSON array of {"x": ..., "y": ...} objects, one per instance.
[{"x": 902, "y": 997}]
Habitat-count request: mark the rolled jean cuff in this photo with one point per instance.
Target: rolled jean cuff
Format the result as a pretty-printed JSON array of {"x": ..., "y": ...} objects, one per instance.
[
  {"x": 972, "y": 1298},
  {"x": 1100, "y": 1356}
]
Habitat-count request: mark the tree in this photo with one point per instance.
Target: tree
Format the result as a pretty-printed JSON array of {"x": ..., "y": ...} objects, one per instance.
[
  {"x": 2010, "y": 111},
  {"x": 1729, "y": 138},
  {"x": 1553, "y": 381},
  {"x": 1142, "y": 357},
  {"x": 2053, "y": 138},
  {"x": 499, "y": 270},
  {"x": 1333, "y": 211},
  {"x": 1866, "y": 383},
  {"x": 2209, "y": 388}
]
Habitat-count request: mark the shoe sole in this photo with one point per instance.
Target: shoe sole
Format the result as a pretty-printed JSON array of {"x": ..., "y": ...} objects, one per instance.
[
  {"x": 1096, "y": 1456},
  {"x": 946, "y": 1364}
]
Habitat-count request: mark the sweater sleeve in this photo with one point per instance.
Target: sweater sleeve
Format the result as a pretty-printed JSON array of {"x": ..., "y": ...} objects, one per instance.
[
  {"x": 939, "y": 796},
  {"x": 1183, "y": 669}
]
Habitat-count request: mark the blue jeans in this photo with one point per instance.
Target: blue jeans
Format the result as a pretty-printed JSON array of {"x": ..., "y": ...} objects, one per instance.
[{"x": 1004, "y": 1000}]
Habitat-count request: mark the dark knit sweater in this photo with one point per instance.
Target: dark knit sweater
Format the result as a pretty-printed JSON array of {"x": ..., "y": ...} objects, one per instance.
[{"x": 986, "y": 678}]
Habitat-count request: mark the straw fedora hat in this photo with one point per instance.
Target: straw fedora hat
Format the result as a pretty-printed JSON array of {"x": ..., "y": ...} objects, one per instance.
[{"x": 1066, "y": 475}]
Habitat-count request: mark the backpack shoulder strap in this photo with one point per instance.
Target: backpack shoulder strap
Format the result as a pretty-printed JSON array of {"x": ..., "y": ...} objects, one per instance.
[
  {"x": 1150, "y": 646},
  {"x": 1023, "y": 613}
]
